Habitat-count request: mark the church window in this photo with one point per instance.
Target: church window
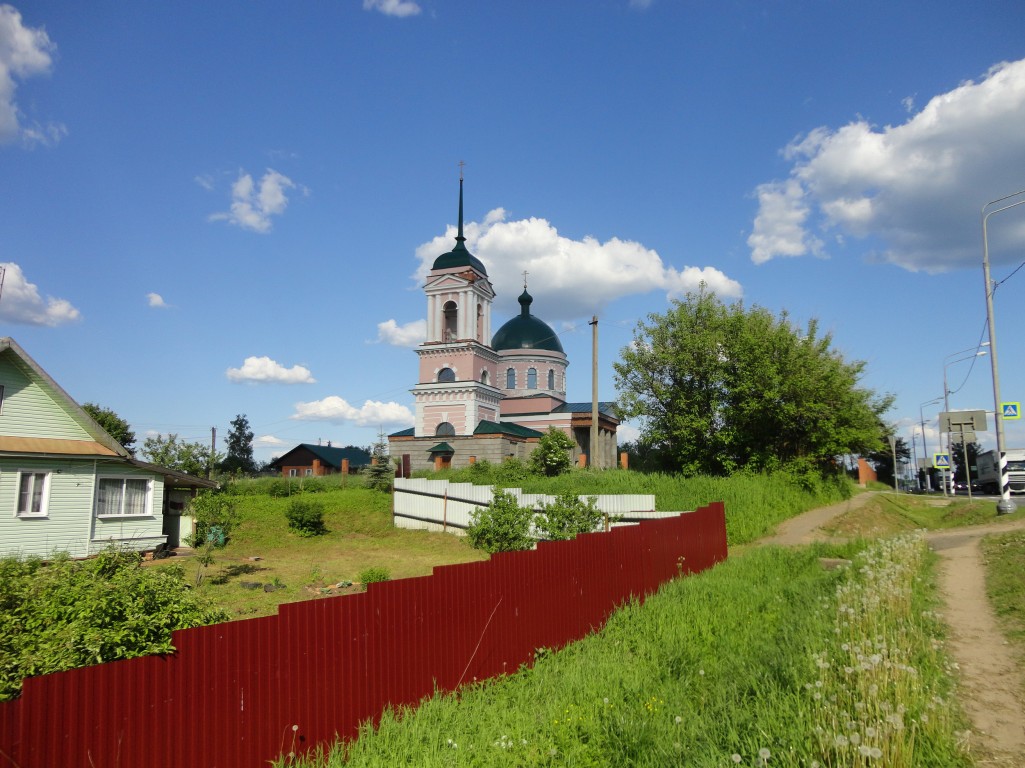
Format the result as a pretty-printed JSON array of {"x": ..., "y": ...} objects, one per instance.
[
  {"x": 446, "y": 375},
  {"x": 532, "y": 378},
  {"x": 551, "y": 378},
  {"x": 483, "y": 377},
  {"x": 445, "y": 429},
  {"x": 451, "y": 312},
  {"x": 480, "y": 323},
  {"x": 510, "y": 379}
]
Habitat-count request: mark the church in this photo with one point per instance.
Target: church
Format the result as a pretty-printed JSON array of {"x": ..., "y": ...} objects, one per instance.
[{"x": 482, "y": 396}]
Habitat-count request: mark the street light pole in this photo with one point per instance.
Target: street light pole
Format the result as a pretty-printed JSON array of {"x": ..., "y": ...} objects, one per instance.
[
  {"x": 946, "y": 402},
  {"x": 925, "y": 448},
  {"x": 1006, "y": 505}
]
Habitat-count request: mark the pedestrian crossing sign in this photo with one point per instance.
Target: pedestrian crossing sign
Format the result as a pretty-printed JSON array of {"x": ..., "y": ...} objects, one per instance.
[
  {"x": 941, "y": 460},
  {"x": 1010, "y": 410}
]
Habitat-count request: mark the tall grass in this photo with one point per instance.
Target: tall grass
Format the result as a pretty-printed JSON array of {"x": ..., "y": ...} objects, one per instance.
[
  {"x": 755, "y": 503},
  {"x": 759, "y": 661}
]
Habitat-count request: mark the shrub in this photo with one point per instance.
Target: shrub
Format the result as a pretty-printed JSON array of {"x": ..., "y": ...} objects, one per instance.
[
  {"x": 305, "y": 516},
  {"x": 215, "y": 516},
  {"x": 550, "y": 458},
  {"x": 72, "y": 613},
  {"x": 502, "y": 526},
  {"x": 374, "y": 574},
  {"x": 567, "y": 517}
]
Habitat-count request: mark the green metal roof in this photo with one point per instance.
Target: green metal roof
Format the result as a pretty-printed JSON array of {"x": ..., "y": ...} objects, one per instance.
[
  {"x": 459, "y": 256},
  {"x": 329, "y": 455},
  {"x": 404, "y": 433},
  {"x": 441, "y": 448},
  {"x": 526, "y": 331}
]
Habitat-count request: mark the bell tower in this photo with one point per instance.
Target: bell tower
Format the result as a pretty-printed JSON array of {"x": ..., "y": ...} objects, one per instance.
[{"x": 457, "y": 387}]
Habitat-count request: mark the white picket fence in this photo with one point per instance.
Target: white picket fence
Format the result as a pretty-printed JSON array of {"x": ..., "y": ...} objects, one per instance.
[{"x": 439, "y": 505}]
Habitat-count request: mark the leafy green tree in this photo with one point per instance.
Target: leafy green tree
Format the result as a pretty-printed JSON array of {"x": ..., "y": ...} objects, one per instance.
[
  {"x": 882, "y": 460},
  {"x": 380, "y": 473},
  {"x": 567, "y": 517},
  {"x": 957, "y": 452},
  {"x": 551, "y": 456},
  {"x": 722, "y": 388},
  {"x": 502, "y": 526},
  {"x": 179, "y": 455},
  {"x": 114, "y": 425},
  {"x": 240, "y": 447}
]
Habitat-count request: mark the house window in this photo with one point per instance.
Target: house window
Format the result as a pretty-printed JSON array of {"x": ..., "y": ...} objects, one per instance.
[
  {"x": 532, "y": 378},
  {"x": 445, "y": 429},
  {"x": 33, "y": 493},
  {"x": 446, "y": 375},
  {"x": 123, "y": 496},
  {"x": 551, "y": 378},
  {"x": 1, "y": 398},
  {"x": 308, "y": 471},
  {"x": 293, "y": 472},
  {"x": 483, "y": 377},
  {"x": 510, "y": 379}
]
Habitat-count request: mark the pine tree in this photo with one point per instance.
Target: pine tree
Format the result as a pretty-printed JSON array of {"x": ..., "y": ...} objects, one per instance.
[
  {"x": 240, "y": 447},
  {"x": 380, "y": 473}
]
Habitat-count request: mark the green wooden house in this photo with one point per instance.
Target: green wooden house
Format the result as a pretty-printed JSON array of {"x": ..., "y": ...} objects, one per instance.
[{"x": 68, "y": 486}]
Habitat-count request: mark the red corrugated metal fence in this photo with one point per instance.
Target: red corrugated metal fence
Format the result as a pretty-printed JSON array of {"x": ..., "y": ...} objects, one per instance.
[{"x": 238, "y": 694}]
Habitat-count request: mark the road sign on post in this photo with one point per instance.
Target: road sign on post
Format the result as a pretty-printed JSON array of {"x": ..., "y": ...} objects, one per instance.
[
  {"x": 1010, "y": 411},
  {"x": 941, "y": 460},
  {"x": 967, "y": 421}
]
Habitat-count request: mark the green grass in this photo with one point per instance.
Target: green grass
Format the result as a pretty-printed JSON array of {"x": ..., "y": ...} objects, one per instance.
[
  {"x": 757, "y": 657},
  {"x": 889, "y": 513},
  {"x": 1005, "y": 562},
  {"x": 360, "y": 536},
  {"x": 755, "y": 504}
]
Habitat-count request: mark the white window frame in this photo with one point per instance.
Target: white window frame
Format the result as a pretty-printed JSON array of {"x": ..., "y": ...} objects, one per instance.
[
  {"x": 44, "y": 499},
  {"x": 148, "y": 512},
  {"x": 293, "y": 472},
  {"x": 308, "y": 472}
]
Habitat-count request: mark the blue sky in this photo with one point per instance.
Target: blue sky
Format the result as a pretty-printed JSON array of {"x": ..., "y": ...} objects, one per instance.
[{"x": 218, "y": 208}]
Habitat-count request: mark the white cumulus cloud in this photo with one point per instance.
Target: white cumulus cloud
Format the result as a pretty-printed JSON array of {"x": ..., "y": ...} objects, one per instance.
[
  {"x": 252, "y": 204},
  {"x": 157, "y": 301},
  {"x": 24, "y": 52},
  {"x": 408, "y": 335},
  {"x": 264, "y": 370},
  {"x": 916, "y": 188},
  {"x": 267, "y": 440},
  {"x": 400, "y": 8},
  {"x": 338, "y": 411},
  {"x": 568, "y": 278},
  {"x": 20, "y": 302}
]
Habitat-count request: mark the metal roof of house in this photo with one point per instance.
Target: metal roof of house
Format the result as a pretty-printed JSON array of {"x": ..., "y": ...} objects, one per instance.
[
  {"x": 329, "y": 455},
  {"x": 504, "y": 428},
  {"x": 604, "y": 407}
]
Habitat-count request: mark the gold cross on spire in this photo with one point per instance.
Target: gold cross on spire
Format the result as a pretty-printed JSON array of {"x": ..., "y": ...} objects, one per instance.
[{"x": 524, "y": 279}]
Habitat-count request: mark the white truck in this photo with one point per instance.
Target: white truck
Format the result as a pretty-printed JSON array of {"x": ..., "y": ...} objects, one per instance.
[{"x": 988, "y": 465}]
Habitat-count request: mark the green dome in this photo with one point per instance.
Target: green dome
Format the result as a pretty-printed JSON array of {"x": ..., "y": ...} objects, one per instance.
[
  {"x": 526, "y": 331},
  {"x": 459, "y": 256}
]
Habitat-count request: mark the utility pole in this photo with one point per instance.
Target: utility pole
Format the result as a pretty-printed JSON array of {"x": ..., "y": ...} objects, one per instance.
[
  {"x": 213, "y": 452},
  {"x": 595, "y": 462}
]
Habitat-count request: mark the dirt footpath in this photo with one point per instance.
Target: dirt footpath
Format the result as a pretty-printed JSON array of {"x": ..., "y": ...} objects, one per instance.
[{"x": 991, "y": 679}]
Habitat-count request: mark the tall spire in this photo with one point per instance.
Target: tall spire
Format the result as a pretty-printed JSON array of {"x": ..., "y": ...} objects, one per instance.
[{"x": 459, "y": 238}]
